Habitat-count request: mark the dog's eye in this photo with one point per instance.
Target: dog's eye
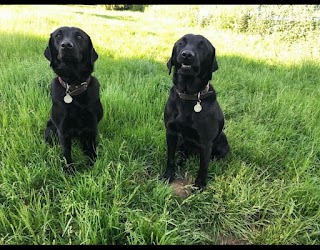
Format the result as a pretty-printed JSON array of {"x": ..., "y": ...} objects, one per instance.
[
  {"x": 79, "y": 37},
  {"x": 202, "y": 44},
  {"x": 58, "y": 36}
]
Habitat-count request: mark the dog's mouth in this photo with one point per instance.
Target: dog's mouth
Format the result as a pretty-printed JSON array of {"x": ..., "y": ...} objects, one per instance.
[
  {"x": 186, "y": 66},
  {"x": 187, "y": 69},
  {"x": 67, "y": 57}
]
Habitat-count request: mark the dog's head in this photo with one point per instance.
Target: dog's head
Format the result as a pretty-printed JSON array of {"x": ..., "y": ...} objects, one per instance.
[
  {"x": 193, "y": 55},
  {"x": 70, "y": 46}
]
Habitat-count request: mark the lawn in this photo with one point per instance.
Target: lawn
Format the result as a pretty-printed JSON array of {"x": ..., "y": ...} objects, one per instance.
[{"x": 266, "y": 191}]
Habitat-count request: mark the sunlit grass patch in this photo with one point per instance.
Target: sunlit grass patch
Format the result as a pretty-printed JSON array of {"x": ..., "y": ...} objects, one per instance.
[{"x": 264, "y": 192}]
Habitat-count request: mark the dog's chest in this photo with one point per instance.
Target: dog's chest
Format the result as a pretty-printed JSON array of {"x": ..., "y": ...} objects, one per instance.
[
  {"x": 186, "y": 116},
  {"x": 78, "y": 112},
  {"x": 78, "y": 120},
  {"x": 186, "y": 122},
  {"x": 75, "y": 114}
]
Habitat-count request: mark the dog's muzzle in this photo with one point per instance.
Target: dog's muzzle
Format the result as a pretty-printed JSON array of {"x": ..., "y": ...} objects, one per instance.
[
  {"x": 186, "y": 70},
  {"x": 187, "y": 60},
  {"x": 68, "y": 52}
]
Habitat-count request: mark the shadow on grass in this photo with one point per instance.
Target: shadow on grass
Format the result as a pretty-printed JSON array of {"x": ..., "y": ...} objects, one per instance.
[
  {"x": 271, "y": 121},
  {"x": 93, "y": 13},
  {"x": 120, "y": 18},
  {"x": 256, "y": 97}
]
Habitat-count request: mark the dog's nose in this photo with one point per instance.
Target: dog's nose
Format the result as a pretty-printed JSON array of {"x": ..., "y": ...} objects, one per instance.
[
  {"x": 187, "y": 54},
  {"x": 66, "y": 44}
]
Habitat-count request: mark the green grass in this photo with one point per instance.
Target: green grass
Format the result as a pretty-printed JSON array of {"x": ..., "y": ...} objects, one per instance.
[{"x": 265, "y": 192}]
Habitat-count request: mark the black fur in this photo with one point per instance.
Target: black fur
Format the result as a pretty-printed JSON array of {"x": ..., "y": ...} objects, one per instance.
[
  {"x": 72, "y": 56},
  {"x": 187, "y": 131}
]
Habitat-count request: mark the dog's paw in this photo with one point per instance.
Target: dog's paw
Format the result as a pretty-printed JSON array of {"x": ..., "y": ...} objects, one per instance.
[
  {"x": 168, "y": 175},
  {"x": 92, "y": 158},
  {"x": 200, "y": 184},
  {"x": 91, "y": 162},
  {"x": 69, "y": 169}
]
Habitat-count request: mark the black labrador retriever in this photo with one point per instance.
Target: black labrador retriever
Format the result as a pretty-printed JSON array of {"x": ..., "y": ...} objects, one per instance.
[
  {"x": 76, "y": 108},
  {"x": 193, "y": 119}
]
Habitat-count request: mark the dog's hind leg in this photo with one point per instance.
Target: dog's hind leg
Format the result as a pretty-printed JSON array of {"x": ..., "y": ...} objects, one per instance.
[
  {"x": 220, "y": 147},
  {"x": 50, "y": 134}
]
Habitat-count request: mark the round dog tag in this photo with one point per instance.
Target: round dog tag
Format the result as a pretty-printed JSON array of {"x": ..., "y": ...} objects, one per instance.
[
  {"x": 197, "y": 108},
  {"x": 67, "y": 98}
]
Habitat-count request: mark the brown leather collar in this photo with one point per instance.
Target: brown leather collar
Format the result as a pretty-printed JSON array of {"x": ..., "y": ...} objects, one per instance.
[
  {"x": 195, "y": 97},
  {"x": 73, "y": 89}
]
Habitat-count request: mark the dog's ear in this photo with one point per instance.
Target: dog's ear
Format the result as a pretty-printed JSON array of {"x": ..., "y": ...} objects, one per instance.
[
  {"x": 169, "y": 65},
  {"x": 48, "y": 53},
  {"x": 93, "y": 53},
  {"x": 214, "y": 60},
  {"x": 170, "y": 62},
  {"x": 214, "y": 64}
]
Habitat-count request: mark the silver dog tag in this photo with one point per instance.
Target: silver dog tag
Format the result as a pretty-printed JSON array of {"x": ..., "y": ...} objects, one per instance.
[
  {"x": 67, "y": 98},
  {"x": 197, "y": 108}
]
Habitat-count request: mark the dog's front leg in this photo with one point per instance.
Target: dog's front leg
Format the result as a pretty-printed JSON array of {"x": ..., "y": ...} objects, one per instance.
[
  {"x": 172, "y": 139},
  {"x": 89, "y": 145},
  {"x": 65, "y": 142},
  {"x": 205, "y": 156}
]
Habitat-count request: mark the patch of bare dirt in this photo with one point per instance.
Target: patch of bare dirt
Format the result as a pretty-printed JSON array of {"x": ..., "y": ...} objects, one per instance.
[{"x": 182, "y": 187}]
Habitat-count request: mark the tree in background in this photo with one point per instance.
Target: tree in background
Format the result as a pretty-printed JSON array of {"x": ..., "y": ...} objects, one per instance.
[{"x": 132, "y": 7}]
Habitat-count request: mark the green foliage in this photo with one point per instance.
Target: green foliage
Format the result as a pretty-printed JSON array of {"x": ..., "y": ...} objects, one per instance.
[
  {"x": 264, "y": 192},
  {"x": 295, "y": 21},
  {"x": 290, "y": 22},
  {"x": 132, "y": 7}
]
